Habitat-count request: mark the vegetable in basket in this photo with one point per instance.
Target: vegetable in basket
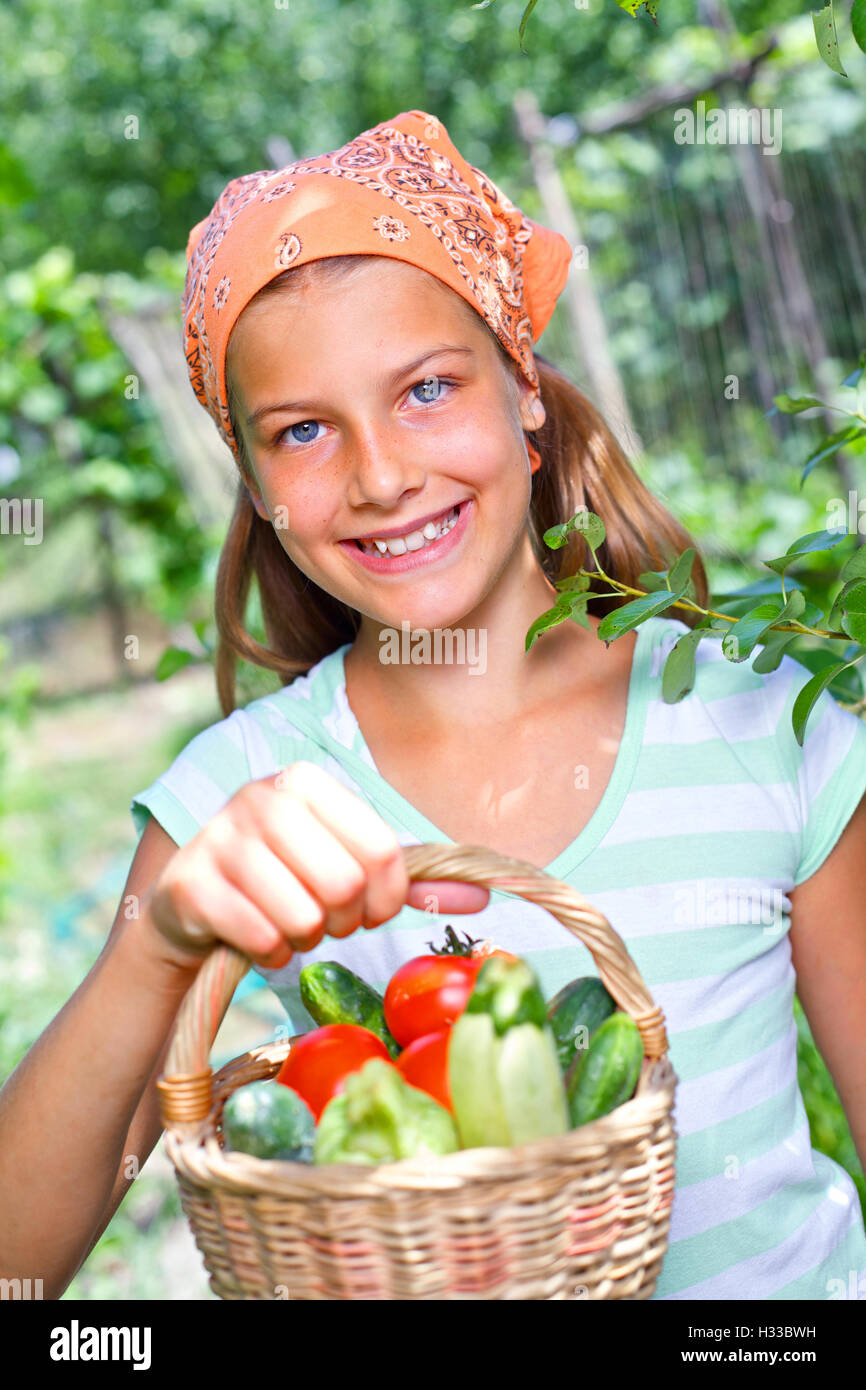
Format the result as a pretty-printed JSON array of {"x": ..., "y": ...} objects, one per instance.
[
  {"x": 333, "y": 994},
  {"x": 427, "y": 994},
  {"x": 379, "y": 1118},
  {"x": 319, "y": 1062},
  {"x": 575, "y": 1013},
  {"x": 503, "y": 1071},
  {"x": 269, "y": 1121},
  {"x": 605, "y": 1074}
]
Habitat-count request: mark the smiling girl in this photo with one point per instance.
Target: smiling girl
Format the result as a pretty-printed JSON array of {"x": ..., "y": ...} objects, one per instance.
[{"x": 360, "y": 326}]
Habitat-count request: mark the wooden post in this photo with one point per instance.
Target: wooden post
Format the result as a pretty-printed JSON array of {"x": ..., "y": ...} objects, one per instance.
[{"x": 584, "y": 310}]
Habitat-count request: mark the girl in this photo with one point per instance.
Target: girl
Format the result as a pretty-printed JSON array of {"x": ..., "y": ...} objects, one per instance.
[{"x": 360, "y": 327}]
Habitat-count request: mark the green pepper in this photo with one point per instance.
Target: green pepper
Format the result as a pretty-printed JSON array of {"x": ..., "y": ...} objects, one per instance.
[{"x": 379, "y": 1118}]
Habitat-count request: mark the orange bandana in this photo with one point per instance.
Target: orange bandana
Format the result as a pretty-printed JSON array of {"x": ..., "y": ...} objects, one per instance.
[{"x": 401, "y": 189}]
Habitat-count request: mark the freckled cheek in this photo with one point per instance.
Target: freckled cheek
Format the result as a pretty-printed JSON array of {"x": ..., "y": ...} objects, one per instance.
[{"x": 483, "y": 441}]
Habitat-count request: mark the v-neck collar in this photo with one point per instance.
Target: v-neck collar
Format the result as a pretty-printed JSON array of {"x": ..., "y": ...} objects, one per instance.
[{"x": 605, "y": 812}]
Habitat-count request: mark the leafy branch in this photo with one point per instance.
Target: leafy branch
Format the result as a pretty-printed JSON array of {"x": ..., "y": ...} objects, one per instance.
[
  {"x": 854, "y": 433},
  {"x": 775, "y": 622},
  {"x": 823, "y": 20}
]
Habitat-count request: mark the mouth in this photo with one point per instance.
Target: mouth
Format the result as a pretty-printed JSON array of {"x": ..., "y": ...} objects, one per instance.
[{"x": 436, "y": 537}]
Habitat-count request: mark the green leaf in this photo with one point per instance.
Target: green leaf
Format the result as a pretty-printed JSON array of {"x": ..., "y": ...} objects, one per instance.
[
  {"x": 805, "y": 545},
  {"x": 792, "y": 405},
  {"x": 771, "y": 653},
  {"x": 834, "y": 617},
  {"x": 173, "y": 659},
  {"x": 808, "y": 697},
  {"x": 632, "y": 7},
  {"x": 853, "y": 607},
  {"x": 622, "y": 620},
  {"x": 829, "y": 445},
  {"x": 526, "y": 13},
  {"x": 678, "y": 675},
  {"x": 653, "y": 580},
  {"x": 757, "y": 589},
  {"x": 738, "y": 642},
  {"x": 547, "y": 620},
  {"x": 855, "y": 566},
  {"x": 853, "y": 379},
  {"x": 573, "y": 583},
  {"x": 825, "y": 37},
  {"x": 682, "y": 569}
]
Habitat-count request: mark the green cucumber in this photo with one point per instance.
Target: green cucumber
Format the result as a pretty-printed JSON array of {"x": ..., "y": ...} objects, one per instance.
[
  {"x": 605, "y": 1074},
  {"x": 531, "y": 1085},
  {"x": 575, "y": 1013},
  {"x": 268, "y": 1120},
  {"x": 333, "y": 994},
  {"x": 475, "y": 1095}
]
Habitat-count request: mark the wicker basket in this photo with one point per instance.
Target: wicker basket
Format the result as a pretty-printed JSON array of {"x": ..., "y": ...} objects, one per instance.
[{"x": 585, "y": 1215}]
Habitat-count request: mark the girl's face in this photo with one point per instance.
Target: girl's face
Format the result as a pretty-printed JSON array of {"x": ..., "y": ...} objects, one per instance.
[{"x": 368, "y": 408}]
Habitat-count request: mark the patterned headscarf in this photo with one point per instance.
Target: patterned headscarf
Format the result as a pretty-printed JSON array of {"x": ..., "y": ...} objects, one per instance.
[{"x": 401, "y": 189}]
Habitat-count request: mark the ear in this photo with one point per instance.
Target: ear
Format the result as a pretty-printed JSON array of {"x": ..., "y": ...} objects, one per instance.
[
  {"x": 256, "y": 499},
  {"x": 532, "y": 412}
]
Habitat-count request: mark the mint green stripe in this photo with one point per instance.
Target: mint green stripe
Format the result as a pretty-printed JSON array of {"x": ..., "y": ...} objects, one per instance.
[
  {"x": 710, "y": 763},
  {"x": 733, "y": 854},
  {"x": 831, "y": 810},
  {"x": 703, "y": 1256},
  {"x": 174, "y": 818},
  {"x": 748, "y": 1135},
  {"x": 703, "y": 1050}
]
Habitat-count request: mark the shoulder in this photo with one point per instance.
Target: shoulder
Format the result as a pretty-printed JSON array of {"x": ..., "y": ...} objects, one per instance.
[{"x": 253, "y": 742}]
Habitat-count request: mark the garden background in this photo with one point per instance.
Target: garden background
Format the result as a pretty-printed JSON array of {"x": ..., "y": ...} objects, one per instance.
[{"x": 707, "y": 279}]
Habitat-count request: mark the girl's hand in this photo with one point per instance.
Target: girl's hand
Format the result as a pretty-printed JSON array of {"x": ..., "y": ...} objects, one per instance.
[{"x": 288, "y": 860}]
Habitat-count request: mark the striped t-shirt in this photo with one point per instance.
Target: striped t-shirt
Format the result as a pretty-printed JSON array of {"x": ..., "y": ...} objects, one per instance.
[{"x": 713, "y": 813}]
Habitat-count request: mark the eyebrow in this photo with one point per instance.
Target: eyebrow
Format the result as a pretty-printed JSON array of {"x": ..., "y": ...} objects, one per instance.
[{"x": 392, "y": 380}]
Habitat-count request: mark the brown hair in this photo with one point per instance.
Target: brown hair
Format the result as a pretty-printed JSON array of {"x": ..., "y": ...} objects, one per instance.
[{"x": 582, "y": 464}]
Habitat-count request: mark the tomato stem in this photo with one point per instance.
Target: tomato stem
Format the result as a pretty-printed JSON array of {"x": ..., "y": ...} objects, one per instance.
[{"x": 453, "y": 946}]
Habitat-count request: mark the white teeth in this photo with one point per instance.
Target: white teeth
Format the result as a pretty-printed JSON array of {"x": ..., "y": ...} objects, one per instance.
[{"x": 414, "y": 540}]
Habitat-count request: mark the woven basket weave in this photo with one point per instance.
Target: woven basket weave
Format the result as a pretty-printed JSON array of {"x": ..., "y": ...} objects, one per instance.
[{"x": 585, "y": 1215}]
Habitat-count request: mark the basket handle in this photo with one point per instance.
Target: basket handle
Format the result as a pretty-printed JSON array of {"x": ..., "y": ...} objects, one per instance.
[{"x": 185, "y": 1087}]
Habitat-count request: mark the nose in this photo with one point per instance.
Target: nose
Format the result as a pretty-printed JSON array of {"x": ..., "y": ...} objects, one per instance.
[{"x": 380, "y": 466}]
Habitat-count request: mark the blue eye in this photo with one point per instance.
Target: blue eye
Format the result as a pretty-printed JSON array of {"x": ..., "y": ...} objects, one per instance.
[
  {"x": 427, "y": 384},
  {"x": 302, "y": 425}
]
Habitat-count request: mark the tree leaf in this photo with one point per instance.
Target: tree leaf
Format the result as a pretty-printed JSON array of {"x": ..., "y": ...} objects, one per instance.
[
  {"x": 653, "y": 580},
  {"x": 173, "y": 659},
  {"x": 834, "y": 617},
  {"x": 622, "y": 620},
  {"x": 771, "y": 653},
  {"x": 825, "y": 37},
  {"x": 573, "y": 583},
  {"x": 805, "y": 545},
  {"x": 855, "y": 566},
  {"x": 792, "y": 405},
  {"x": 738, "y": 642},
  {"x": 829, "y": 445},
  {"x": 526, "y": 13},
  {"x": 808, "y": 697},
  {"x": 682, "y": 569},
  {"x": 547, "y": 620},
  {"x": 853, "y": 607},
  {"x": 678, "y": 675}
]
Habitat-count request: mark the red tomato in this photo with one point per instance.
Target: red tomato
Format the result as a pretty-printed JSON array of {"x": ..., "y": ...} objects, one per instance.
[
  {"x": 319, "y": 1062},
  {"x": 424, "y": 1064},
  {"x": 427, "y": 994}
]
